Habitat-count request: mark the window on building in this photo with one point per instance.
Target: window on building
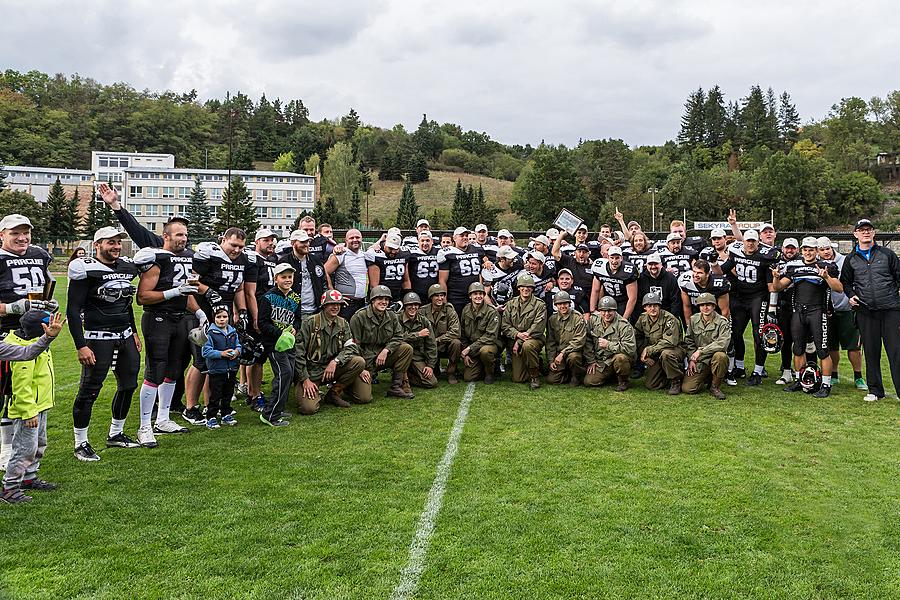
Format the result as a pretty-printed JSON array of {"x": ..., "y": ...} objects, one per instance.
[
  {"x": 152, "y": 210},
  {"x": 262, "y": 195},
  {"x": 277, "y": 212},
  {"x": 292, "y": 195},
  {"x": 276, "y": 195},
  {"x": 135, "y": 191},
  {"x": 168, "y": 210},
  {"x": 262, "y": 212},
  {"x": 215, "y": 194},
  {"x": 152, "y": 191},
  {"x": 184, "y": 193},
  {"x": 136, "y": 209},
  {"x": 152, "y": 226},
  {"x": 168, "y": 192},
  {"x": 306, "y": 195}
]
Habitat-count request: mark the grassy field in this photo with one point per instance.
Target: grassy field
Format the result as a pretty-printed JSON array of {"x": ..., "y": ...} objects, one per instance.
[{"x": 553, "y": 494}]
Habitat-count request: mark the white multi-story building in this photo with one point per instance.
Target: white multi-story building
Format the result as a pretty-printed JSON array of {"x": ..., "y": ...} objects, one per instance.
[
  {"x": 37, "y": 181},
  {"x": 153, "y": 195},
  {"x": 110, "y": 166}
]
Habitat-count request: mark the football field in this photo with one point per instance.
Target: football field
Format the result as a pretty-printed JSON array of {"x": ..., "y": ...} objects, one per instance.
[{"x": 476, "y": 492}]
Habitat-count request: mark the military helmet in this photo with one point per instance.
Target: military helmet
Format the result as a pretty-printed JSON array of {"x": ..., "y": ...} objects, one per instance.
[
  {"x": 475, "y": 287},
  {"x": 332, "y": 297},
  {"x": 411, "y": 298},
  {"x": 525, "y": 280},
  {"x": 562, "y": 297},
  {"x": 380, "y": 291},
  {"x": 706, "y": 298},
  {"x": 436, "y": 288},
  {"x": 608, "y": 303},
  {"x": 651, "y": 298}
]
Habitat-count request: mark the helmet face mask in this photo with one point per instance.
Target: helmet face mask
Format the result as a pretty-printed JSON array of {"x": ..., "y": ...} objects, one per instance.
[{"x": 771, "y": 338}]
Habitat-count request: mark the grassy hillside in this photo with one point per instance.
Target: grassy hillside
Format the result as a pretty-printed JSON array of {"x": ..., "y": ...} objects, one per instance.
[{"x": 437, "y": 194}]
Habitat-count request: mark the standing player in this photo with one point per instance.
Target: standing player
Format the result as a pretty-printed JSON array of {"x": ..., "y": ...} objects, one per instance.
[
  {"x": 423, "y": 265},
  {"x": 500, "y": 280},
  {"x": 258, "y": 279},
  {"x": 459, "y": 267},
  {"x": 701, "y": 280},
  {"x": 577, "y": 261},
  {"x": 717, "y": 252},
  {"x": 656, "y": 280},
  {"x": 388, "y": 267},
  {"x": 101, "y": 321},
  {"x": 617, "y": 279},
  {"x": 676, "y": 257}
]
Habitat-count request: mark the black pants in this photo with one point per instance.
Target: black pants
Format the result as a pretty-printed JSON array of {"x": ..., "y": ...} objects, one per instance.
[
  {"x": 165, "y": 343},
  {"x": 810, "y": 324},
  {"x": 221, "y": 388},
  {"x": 875, "y": 327},
  {"x": 123, "y": 358},
  {"x": 785, "y": 316},
  {"x": 743, "y": 311}
]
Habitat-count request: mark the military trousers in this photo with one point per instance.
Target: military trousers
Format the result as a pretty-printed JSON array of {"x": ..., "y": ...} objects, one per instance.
[
  {"x": 620, "y": 368},
  {"x": 571, "y": 368},
  {"x": 669, "y": 365},
  {"x": 527, "y": 361},
  {"x": 714, "y": 369}
]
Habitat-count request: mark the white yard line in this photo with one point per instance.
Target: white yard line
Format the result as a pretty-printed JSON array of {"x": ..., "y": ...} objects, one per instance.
[{"x": 418, "y": 549}]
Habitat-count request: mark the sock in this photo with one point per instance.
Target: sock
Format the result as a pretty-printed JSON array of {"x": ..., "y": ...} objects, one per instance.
[
  {"x": 739, "y": 364},
  {"x": 834, "y": 373},
  {"x": 166, "y": 391},
  {"x": 116, "y": 427},
  {"x": 148, "y": 398},
  {"x": 797, "y": 375},
  {"x": 80, "y": 436},
  {"x": 758, "y": 369},
  {"x": 786, "y": 373},
  {"x": 731, "y": 363},
  {"x": 857, "y": 374},
  {"x": 6, "y": 433},
  {"x": 826, "y": 380}
]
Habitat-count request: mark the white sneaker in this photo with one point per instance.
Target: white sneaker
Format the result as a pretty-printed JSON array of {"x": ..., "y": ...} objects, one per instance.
[
  {"x": 784, "y": 380},
  {"x": 870, "y": 398},
  {"x": 169, "y": 426},
  {"x": 5, "y": 453},
  {"x": 146, "y": 438}
]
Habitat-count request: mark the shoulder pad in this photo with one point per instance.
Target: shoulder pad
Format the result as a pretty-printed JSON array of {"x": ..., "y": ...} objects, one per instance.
[
  {"x": 40, "y": 252},
  {"x": 208, "y": 250},
  {"x": 685, "y": 277},
  {"x": 146, "y": 256},
  {"x": 252, "y": 256},
  {"x": 77, "y": 269}
]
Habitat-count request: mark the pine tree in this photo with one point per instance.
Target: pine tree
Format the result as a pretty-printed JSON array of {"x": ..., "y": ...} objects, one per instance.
[
  {"x": 771, "y": 119},
  {"x": 350, "y": 122},
  {"x": 754, "y": 120},
  {"x": 392, "y": 167},
  {"x": 59, "y": 224},
  {"x": 417, "y": 168},
  {"x": 692, "y": 121},
  {"x": 408, "y": 210},
  {"x": 237, "y": 209},
  {"x": 733, "y": 124},
  {"x": 714, "y": 118},
  {"x": 199, "y": 214},
  {"x": 355, "y": 213},
  {"x": 3, "y": 184},
  {"x": 788, "y": 122},
  {"x": 98, "y": 215},
  {"x": 73, "y": 218},
  {"x": 461, "y": 213}
]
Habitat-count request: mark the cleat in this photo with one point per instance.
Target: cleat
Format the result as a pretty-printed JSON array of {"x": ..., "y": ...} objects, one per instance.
[
  {"x": 489, "y": 379},
  {"x": 823, "y": 392},
  {"x": 169, "y": 426},
  {"x": 786, "y": 378},
  {"x": 730, "y": 379},
  {"x": 229, "y": 420},
  {"x": 259, "y": 403},
  {"x": 274, "y": 423},
  {"x": 871, "y": 398},
  {"x": 241, "y": 390},
  {"x": 120, "y": 440},
  {"x": 793, "y": 387},
  {"x": 739, "y": 373},
  {"x": 212, "y": 423},
  {"x": 39, "y": 484},
  {"x": 286, "y": 415},
  {"x": 861, "y": 384},
  {"x": 85, "y": 453},
  {"x": 14, "y": 496},
  {"x": 146, "y": 438},
  {"x": 193, "y": 416},
  {"x": 754, "y": 379}
]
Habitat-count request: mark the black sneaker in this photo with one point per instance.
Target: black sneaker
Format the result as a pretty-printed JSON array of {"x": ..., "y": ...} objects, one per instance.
[
  {"x": 85, "y": 453},
  {"x": 738, "y": 373},
  {"x": 823, "y": 392},
  {"x": 120, "y": 440},
  {"x": 279, "y": 422},
  {"x": 730, "y": 379},
  {"x": 754, "y": 379},
  {"x": 14, "y": 496},
  {"x": 193, "y": 416},
  {"x": 793, "y": 387},
  {"x": 39, "y": 484}
]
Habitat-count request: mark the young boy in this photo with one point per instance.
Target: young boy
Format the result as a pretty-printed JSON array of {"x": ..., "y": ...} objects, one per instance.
[
  {"x": 279, "y": 320},
  {"x": 32, "y": 397},
  {"x": 221, "y": 351}
]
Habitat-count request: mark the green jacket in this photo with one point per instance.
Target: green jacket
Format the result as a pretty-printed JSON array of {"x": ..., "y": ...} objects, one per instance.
[
  {"x": 374, "y": 333},
  {"x": 480, "y": 327},
  {"x": 424, "y": 348},
  {"x": 529, "y": 316},
  {"x": 619, "y": 334},
  {"x": 664, "y": 334},
  {"x": 565, "y": 335},
  {"x": 444, "y": 322},
  {"x": 32, "y": 382},
  {"x": 318, "y": 342},
  {"x": 709, "y": 338}
]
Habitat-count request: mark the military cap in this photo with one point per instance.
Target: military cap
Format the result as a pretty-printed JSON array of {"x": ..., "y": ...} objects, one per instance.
[
  {"x": 475, "y": 286},
  {"x": 411, "y": 298},
  {"x": 706, "y": 298},
  {"x": 651, "y": 298},
  {"x": 380, "y": 291},
  {"x": 525, "y": 280},
  {"x": 608, "y": 303},
  {"x": 562, "y": 297},
  {"x": 436, "y": 288}
]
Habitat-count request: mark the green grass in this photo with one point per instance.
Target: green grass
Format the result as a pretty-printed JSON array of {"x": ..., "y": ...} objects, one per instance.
[{"x": 553, "y": 494}]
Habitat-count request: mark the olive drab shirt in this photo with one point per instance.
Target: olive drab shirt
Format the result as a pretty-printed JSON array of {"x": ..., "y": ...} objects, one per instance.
[
  {"x": 318, "y": 342},
  {"x": 565, "y": 334},
  {"x": 709, "y": 338},
  {"x": 444, "y": 322},
  {"x": 480, "y": 327},
  {"x": 663, "y": 334},
  {"x": 424, "y": 348},
  {"x": 373, "y": 332},
  {"x": 529, "y": 316},
  {"x": 619, "y": 334}
]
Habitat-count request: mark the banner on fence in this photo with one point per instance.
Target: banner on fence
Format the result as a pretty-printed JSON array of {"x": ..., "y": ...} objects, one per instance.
[{"x": 743, "y": 225}]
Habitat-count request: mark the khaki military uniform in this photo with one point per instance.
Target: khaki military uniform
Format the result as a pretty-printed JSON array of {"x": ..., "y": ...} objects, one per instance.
[
  {"x": 445, "y": 323},
  {"x": 712, "y": 340},
  {"x": 662, "y": 339},
  {"x": 373, "y": 333},
  {"x": 318, "y": 342},
  {"x": 566, "y": 335},
  {"x": 614, "y": 360},
  {"x": 480, "y": 329},
  {"x": 424, "y": 349},
  {"x": 528, "y": 316}
]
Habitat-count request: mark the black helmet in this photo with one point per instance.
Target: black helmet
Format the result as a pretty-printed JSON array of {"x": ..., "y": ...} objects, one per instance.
[
  {"x": 772, "y": 338},
  {"x": 810, "y": 378}
]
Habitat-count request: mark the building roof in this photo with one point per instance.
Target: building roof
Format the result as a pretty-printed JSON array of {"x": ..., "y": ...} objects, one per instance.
[
  {"x": 215, "y": 172},
  {"x": 48, "y": 170},
  {"x": 114, "y": 152}
]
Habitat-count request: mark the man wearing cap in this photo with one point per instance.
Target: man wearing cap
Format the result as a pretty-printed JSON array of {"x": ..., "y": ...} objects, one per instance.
[
  {"x": 790, "y": 250},
  {"x": 423, "y": 265},
  {"x": 445, "y": 325},
  {"x": 417, "y": 332},
  {"x": 259, "y": 277},
  {"x": 654, "y": 279},
  {"x": 566, "y": 336},
  {"x": 871, "y": 277},
  {"x": 610, "y": 347},
  {"x": 279, "y": 320},
  {"x": 23, "y": 269},
  {"x": 705, "y": 343},
  {"x": 677, "y": 258},
  {"x": 459, "y": 267},
  {"x": 480, "y": 332},
  {"x": 813, "y": 280},
  {"x": 481, "y": 235},
  {"x": 578, "y": 261},
  {"x": 580, "y": 297},
  {"x": 500, "y": 279},
  {"x": 327, "y": 353},
  {"x": 543, "y": 245},
  {"x": 379, "y": 335},
  {"x": 617, "y": 279},
  {"x": 523, "y": 325},
  {"x": 658, "y": 339},
  {"x": 101, "y": 321},
  {"x": 388, "y": 267},
  {"x": 717, "y": 251},
  {"x": 310, "y": 278},
  {"x": 348, "y": 271},
  {"x": 535, "y": 263},
  {"x": 842, "y": 325},
  {"x": 702, "y": 280}
]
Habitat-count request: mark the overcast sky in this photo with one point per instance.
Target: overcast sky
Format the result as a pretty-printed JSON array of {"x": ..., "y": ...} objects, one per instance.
[{"x": 523, "y": 71}]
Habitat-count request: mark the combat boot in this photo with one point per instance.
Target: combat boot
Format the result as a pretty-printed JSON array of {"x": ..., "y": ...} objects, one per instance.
[
  {"x": 396, "y": 389},
  {"x": 623, "y": 384},
  {"x": 334, "y": 396},
  {"x": 675, "y": 387},
  {"x": 715, "y": 390},
  {"x": 535, "y": 382}
]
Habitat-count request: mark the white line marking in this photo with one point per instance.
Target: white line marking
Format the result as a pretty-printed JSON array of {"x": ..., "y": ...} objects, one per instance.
[{"x": 418, "y": 549}]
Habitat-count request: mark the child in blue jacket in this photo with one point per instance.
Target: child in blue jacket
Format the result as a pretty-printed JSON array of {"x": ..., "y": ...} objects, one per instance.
[{"x": 221, "y": 351}]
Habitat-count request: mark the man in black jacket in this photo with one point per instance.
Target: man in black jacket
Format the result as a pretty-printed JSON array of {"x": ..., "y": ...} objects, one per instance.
[
  {"x": 310, "y": 279},
  {"x": 871, "y": 278}
]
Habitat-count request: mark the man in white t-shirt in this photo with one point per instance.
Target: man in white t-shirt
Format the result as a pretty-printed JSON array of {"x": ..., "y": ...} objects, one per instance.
[{"x": 347, "y": 267}]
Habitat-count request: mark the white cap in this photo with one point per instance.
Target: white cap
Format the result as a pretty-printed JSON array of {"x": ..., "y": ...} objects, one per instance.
[
  {"x": 673, "y": 236},
  {"x": 460, "y": 231},
  {"x": 790, "y": 242},
  {"x": 809, "y": 242},
  {"x": 543, "y": 239},
  {"x": 298, "y": 235},
  {"x": 825, "y": 242},
  {"x": 282, "y": 267},
  {"x": 582, "y": 226},
  {"x": 654, "y": 258},
  {"x": 421, "y": 222},
  {"x": 395, "y": 230},
  {"x": 506, "y": 252},
  {"x": 767, "y": 226},
  {"x": 425, "y": 233},
  {"x": 393, "y": 241},
  {"x": 107, "y": 233},
  {"x": 264, "y": 233},
  {"x": 504, "y": 233},
  {"x": 751, "y": 234},
  {"x": 553, "y": 233},
  {"x": 538, "y": 256},
  {"x": 717, "y": 232},
  {"x": 14, "y": 220},
  {"x": 614, "y": 250},
  {"x": 481, "y": 227}
]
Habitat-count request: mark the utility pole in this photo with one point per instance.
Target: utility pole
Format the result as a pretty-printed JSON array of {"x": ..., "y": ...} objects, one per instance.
[
  {"x": 230, "y": 139},
  {"x": 653, "y": 192}
]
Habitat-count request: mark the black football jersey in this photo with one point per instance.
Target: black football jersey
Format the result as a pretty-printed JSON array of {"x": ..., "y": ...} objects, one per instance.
[
  {"x": 18, "y": 275},
  {"x": 681, "y": 261},
  {"x": 174, "y": 270},
  {"x": 502, "y": 283},
  {"x": 423, "y": 271},
  {"x": 809, "y": 288},
  {"x": 638, "y": 259},
  {"x": 614, "y": 283},
  {"x": 717, "y": 285},
  {"x": 260, "y": 270},
  {"x": 464, "y": 267},
  {"x": 390, "y": 270},
  {"x": 321, "y": 247},
  {"x": 102, "y": 294},
  {"x": 219, "y": 272},
  {"x": 749, "y": 275}
]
